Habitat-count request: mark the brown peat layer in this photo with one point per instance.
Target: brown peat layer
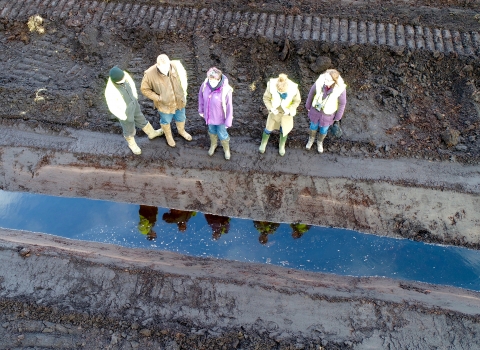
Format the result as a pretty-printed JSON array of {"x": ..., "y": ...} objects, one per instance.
[{"x": 407, "y": 166}]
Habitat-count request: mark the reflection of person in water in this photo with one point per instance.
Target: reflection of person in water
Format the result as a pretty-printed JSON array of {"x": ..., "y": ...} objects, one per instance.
[
  {"x": 148, "y": 218},
  {"x": 220, "y": 225},
  {"x": 299, "y": 229},
  {"x": 179, "y": 217},
  {"x": 265, "y": 228}
]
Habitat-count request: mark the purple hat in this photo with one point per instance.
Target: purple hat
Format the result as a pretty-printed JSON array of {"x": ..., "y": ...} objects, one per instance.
[{"x": 214, "y": 73}]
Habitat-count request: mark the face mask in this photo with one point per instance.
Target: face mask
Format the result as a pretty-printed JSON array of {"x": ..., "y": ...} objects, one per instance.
[
  {"x": 329, "y": 82},
  {"x": 213, "y": 82}
]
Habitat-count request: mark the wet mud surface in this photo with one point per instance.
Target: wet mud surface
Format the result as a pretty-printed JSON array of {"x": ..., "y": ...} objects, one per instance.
[
  {"x": 406, "y": 166},
  {"x": 105, "y": 297}
]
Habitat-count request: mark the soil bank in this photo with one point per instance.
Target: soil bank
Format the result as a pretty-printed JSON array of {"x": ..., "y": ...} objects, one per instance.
[{"x": 63, "y": 288}]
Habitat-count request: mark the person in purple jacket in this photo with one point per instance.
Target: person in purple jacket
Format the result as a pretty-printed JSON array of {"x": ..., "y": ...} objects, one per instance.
[
  {"x": 215, "y": 106},
  {"x": 325, "y": 105}
]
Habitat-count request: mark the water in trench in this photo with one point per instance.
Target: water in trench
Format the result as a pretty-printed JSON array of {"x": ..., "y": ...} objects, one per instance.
[{"x": 297, "y": 246}]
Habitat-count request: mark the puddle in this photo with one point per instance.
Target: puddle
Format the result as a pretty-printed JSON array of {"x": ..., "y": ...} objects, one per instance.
[{"x": 320, "y": 249}]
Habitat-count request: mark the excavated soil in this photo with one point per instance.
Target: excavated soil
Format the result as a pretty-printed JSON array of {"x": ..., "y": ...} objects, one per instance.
[{"x": 406, "y": 165}]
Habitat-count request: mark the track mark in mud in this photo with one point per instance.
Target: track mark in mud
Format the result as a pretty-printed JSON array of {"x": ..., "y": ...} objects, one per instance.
[
  {"x": 357, "y": 197},
  {"x": 274, "y": 196},
  {"x": 416, "y": 289},
  {"x": 251, "y": 24}
]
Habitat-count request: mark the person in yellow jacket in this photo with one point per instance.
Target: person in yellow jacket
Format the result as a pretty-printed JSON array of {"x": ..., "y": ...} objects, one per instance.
[
  {"x": 165, "y": 83},
  {"x": 282, "y": 99},
  {"x": 122, "y": 101}
]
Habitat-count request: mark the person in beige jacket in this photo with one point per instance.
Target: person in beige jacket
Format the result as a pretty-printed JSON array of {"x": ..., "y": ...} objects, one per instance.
[
  {"x": 282, "y": 99},
  {"x": 165, "y": 83}
]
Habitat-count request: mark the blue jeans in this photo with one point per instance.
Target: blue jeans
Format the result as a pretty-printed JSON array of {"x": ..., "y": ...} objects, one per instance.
[
  {"x": 179, "y": 116},
  {"x": 323, "y": 129},
  {"x": 268, "y": 132},
  {"x": 220, "y": 130}
]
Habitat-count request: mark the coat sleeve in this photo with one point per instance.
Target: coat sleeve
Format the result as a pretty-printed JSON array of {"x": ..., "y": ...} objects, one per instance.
[
  {"x": 267, "y": 98},
  {"x": 115, "y": 103},
  {"x": 295, "y": 103},
  {"x": 132, "y": 84},
  {"x": 201, "y": 106},
  {"x": 342, "y": 102},
  {"x": 229, "y": 105},
  {"x": 182, "y": 73},
  {"x": 146, "y": 89},
  {"x": 311, "y": 95}
]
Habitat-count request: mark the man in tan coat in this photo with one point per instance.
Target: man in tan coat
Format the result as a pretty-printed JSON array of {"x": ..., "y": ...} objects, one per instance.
[{"x": 165, "y": 83}]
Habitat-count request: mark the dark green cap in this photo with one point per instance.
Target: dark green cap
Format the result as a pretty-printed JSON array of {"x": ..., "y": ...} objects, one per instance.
[{"x": 116, "y": 74}]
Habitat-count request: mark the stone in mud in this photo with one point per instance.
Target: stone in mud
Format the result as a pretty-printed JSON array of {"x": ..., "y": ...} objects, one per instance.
[
  {"x": 285, "y": 51},
  {"x": 146, "y": 332},
  {"x": 451, "y": 137},
  {"x": 24, "y": 252},
  {"x": 321, "y": 64}
]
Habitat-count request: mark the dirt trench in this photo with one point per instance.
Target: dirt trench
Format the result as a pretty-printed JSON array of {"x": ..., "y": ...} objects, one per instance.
[{"x": 406, "y": 166}]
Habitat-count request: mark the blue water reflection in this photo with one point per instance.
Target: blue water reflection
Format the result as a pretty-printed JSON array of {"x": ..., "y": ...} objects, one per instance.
[{"x": 330, "y": 250}]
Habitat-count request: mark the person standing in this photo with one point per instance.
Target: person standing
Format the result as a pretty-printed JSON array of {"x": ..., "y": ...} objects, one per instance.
[
  {"x": 165, "y": 83},
  {"x": 122, "y": 101},
  {"x": 215, "y": 106},
  {"x": 325, "y": 105},
  {"x": 282, "y": 99}
]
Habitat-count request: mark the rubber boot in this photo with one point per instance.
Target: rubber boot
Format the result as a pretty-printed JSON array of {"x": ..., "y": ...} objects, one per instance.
[
  {"x": 264, "y": 142},
  {"x": 133, "y": 145},
  {"x": 320, "y": 139},
  {"x": 311, "y": 139},
  {"x": 213, "y": 143},
  {"x": 226, "y": 148},
  {"x": 281, "y": 145},
  {"x": 151, "y": 133},
  {"x": 182, "y": 132},
  {"x": 168, "y": 134}
]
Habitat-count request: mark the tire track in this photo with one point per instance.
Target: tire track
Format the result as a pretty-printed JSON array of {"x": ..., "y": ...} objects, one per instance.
[
  {"x": 36, "y": 65},
  {"x": 249, "y": 24}
]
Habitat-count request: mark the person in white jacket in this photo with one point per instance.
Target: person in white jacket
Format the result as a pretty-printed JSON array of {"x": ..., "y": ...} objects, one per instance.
[
  {"x": 122, "y": 100},
  {"x": 282, "y": 99}
]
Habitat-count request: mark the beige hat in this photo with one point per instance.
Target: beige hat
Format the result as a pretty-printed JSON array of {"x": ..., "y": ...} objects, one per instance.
[{"x": 282, "y": 83}]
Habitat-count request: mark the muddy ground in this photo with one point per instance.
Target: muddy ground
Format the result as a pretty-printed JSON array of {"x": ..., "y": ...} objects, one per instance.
[
  {"x": 406, "y": 166},
  {"x": 103, "y": 297}
]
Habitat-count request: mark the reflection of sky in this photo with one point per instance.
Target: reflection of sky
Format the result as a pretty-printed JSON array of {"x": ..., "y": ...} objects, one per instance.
[{"x": 328, "y": 250}]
